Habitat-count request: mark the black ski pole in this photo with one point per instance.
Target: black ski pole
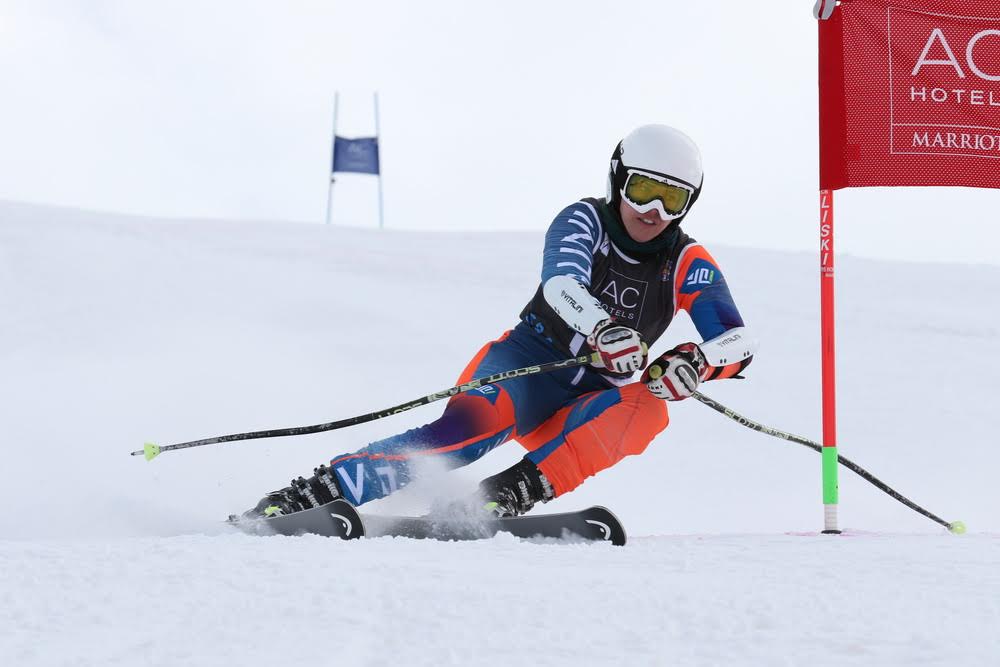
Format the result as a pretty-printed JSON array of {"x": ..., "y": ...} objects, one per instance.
[
  {"x": 151, "y": 451},
  {"x": 956, "y": 527}
]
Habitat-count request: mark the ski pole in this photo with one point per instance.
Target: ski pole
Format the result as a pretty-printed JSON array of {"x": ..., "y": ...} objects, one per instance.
[
  {"x": 956, "y": 527},
  {"x": 151, "y": 451}
]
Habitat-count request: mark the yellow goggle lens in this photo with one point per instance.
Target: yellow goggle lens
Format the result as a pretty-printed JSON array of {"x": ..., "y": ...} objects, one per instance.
[{"x": 642, "y": 190}]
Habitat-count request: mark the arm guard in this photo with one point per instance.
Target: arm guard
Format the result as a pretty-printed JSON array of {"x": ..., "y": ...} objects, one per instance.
[
  {"x": 731, "y": 347},
  {"x": 574, "y": 304}
]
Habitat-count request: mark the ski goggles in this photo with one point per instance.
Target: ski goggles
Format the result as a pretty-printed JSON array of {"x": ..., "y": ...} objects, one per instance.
[{"x": 645, "y": 192}]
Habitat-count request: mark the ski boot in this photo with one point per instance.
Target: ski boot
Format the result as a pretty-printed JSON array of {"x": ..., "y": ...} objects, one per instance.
[
  {"x": 515, "y": 491},
  {"x": 302, "y": 494},
  {"x": 512, "y": 492}
]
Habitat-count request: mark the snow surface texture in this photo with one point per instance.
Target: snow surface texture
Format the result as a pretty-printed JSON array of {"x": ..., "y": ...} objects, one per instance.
[{"x": 117, "y": 330}]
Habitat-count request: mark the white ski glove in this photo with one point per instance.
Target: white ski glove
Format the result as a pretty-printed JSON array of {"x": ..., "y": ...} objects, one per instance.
[
  {"x": 621, "y": 348},
  {"x": 675, "y": 374}
]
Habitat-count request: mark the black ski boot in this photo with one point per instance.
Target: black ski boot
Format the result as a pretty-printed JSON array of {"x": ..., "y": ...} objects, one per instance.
[
  {"x": 302, "y": 494},
  {"x": 319, "y": 489},
  {"x": 276, "y": 503},
  {"x": 509, "y": 493},
  {"x": 516, "y": 490}
]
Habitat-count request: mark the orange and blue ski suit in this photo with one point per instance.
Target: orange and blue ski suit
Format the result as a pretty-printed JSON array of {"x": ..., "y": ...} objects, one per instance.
[{"x": 573, "y": 422}]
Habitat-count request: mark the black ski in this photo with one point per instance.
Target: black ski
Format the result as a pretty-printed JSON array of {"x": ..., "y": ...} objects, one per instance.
[
  {"x": 593, "y": 523},
  {"x": 340, "y": 519},
  {"x": 335, "y": 519}
]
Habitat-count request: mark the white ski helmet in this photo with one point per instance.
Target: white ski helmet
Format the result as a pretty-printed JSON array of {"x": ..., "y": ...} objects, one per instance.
[{"x": 656, "y": 168}]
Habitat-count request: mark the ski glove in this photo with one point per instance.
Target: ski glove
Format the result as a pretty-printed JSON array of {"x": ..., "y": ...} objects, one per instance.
[
  {"x": 675, "y": 374},
  {"x": 621, "y": 349}
]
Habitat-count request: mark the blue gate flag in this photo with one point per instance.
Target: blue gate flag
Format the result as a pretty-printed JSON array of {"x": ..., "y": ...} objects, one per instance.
[{"x": 357, "y": 155}]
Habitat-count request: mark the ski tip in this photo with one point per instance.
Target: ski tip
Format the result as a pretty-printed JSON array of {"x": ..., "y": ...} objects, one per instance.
[
  {"x": 150, "y": 451},
  {"x": 957, "y": 527}
]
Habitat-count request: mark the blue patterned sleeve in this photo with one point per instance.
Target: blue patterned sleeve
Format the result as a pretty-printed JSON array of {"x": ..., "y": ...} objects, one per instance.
[
  {"x": 703, "y": 292},
  {"x": 570, "y": 244}
]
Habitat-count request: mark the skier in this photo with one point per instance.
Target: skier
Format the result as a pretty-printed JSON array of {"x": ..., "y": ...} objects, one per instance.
[{"x": 615, "y": 271}]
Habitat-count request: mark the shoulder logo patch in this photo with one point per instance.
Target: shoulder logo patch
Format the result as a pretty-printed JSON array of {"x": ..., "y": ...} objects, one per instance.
[{"x": 701, "y": 274}]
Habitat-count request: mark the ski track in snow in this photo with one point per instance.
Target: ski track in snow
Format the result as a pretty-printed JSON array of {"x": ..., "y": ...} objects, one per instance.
[{"x": 116, "y": 330}]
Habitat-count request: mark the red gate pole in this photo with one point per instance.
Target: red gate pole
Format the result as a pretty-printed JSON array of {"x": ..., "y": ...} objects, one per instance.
[{"x": 830, "y": 485}]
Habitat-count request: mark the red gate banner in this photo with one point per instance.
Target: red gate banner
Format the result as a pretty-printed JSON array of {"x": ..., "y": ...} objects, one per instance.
[{"x": 909, "y": 93}]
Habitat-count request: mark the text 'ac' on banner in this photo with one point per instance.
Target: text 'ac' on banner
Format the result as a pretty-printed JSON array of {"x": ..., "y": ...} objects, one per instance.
[
  {"x": 355, "y": 155},
  {"x": 910, "y": 93}
]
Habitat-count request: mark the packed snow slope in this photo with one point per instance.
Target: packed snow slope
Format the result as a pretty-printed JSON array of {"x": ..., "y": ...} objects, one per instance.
[{"x": 115, "y": 331}]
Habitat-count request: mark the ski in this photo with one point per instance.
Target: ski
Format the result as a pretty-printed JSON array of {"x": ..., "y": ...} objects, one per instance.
[
  {"x": 596, "y": 524},
  {"x": 337, "y": 518},
  {"x": 340, "y": 519}
]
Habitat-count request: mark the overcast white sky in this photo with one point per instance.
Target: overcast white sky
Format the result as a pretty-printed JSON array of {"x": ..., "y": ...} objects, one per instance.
[{"x": 494, "y": 115}]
